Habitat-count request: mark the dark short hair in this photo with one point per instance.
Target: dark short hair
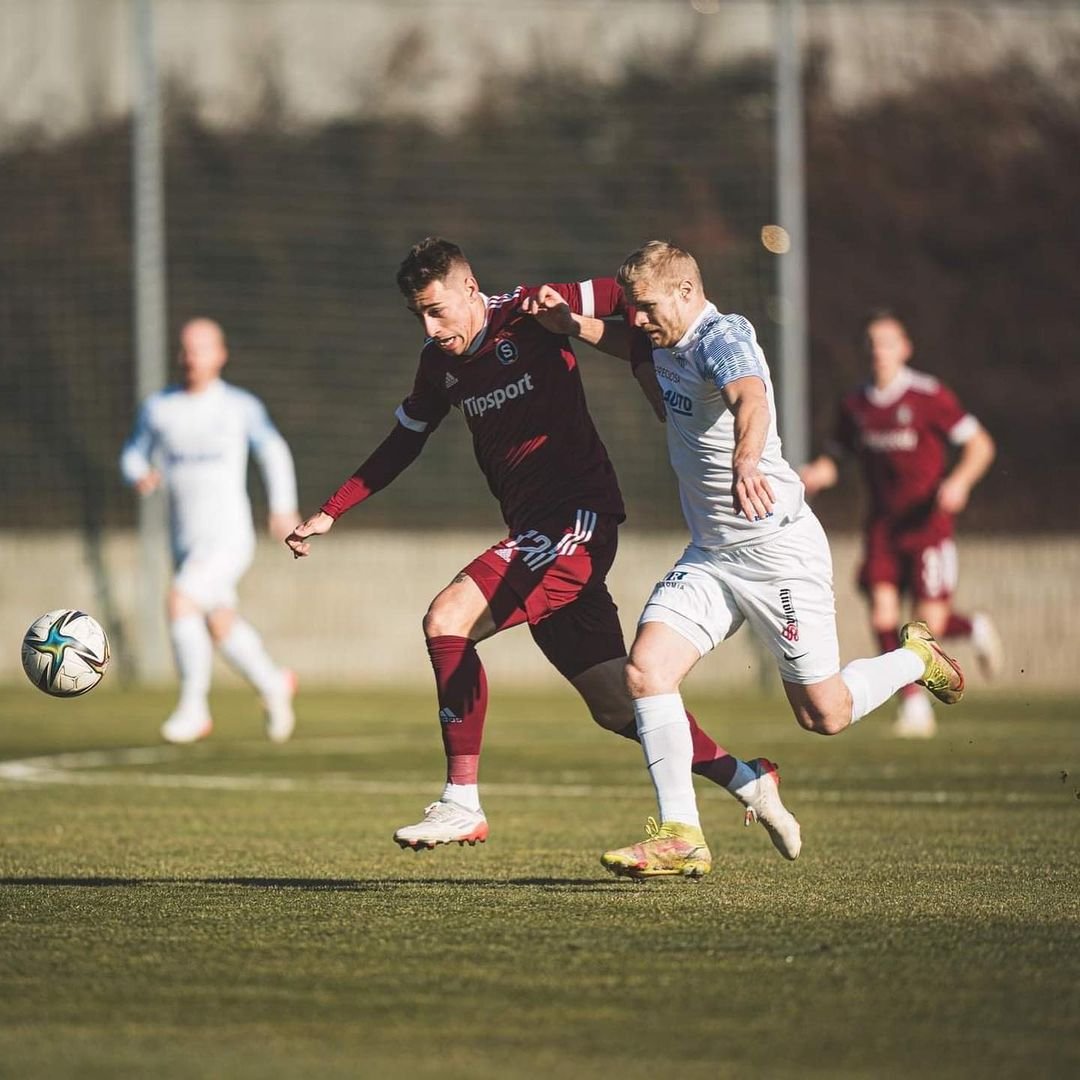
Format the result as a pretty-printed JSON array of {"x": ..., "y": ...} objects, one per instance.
[
  {"x": 430, "y": 260},
  {"x": 883, "y": 314}
]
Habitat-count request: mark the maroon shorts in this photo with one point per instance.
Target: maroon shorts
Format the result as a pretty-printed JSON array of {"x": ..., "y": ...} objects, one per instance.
[
  {"x": 920, "y": 561},
  {"x": 551, "y": 576}
]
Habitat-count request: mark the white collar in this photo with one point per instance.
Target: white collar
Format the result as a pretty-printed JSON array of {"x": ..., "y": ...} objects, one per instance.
[
  {"x": 478, "y": 340},
  {"x": 684, "y": 342},
  {"x": 885, "y": 396}
]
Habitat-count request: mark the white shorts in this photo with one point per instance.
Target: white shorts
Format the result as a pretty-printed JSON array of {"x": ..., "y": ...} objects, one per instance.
[
  {"x": 782, "y": 587},
  {"x": 208, "y": 575}
]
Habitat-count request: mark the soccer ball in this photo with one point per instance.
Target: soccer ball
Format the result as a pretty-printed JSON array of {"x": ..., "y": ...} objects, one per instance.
[{"x": 65, "y": 653}]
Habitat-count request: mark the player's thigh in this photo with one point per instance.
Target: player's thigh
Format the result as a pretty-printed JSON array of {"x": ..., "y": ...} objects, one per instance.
[
  {"x": 460, "y": 610},
  {"x": 690, "y": 611},
  {"x": 580, "y": 639},
  {"x": 784, "y": 588},
  {"x": 882, "y": 565},
  {"x": 208, "y": 576},
  {"x": 542, "y": 569}
]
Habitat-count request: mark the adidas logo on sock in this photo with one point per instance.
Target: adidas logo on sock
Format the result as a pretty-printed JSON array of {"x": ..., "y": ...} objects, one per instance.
[
  {"x": 450, "y": 380},
  {"x": 448, "y": 716}
]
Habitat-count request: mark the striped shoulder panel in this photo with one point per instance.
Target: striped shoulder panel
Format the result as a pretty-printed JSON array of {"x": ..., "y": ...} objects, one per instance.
[{"x": 730, "y": 350}]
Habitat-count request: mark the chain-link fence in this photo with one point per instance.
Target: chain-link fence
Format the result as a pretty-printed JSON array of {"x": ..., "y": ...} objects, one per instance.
[{"x": 307, "y": 145}]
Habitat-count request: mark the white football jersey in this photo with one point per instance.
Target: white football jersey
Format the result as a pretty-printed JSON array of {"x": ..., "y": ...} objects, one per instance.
[
  {"x": 200, "y": 443},
  {"x": 716, "y": 350}
]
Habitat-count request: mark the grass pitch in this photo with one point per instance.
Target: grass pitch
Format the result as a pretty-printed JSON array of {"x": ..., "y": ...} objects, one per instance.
[{"x": 237, "y": 909}]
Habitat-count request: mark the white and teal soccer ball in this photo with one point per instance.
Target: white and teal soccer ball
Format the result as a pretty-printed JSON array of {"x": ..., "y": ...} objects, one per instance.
[{"x": 65, "y": 653}]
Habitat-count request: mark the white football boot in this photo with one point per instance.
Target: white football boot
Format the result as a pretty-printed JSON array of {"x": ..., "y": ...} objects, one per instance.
[
  {"x": 280, "y": 719},
  {"x": 444, "y": 822},
  {"x": 915, "y": 718},
  {"x": 187, "y": 725},
  {"x": 761, "y": 797},
  {"x": 989, "y": 653}
]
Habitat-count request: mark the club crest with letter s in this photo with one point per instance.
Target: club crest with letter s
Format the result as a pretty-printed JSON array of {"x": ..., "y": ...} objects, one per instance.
[{"x": 506, "y": 351}]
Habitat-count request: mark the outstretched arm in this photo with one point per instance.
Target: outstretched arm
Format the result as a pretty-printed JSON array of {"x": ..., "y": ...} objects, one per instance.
[
  {"x": 553, "y": 312},
  {"x": 391, "y": 458},
  {"x": 615, "y": 337}
]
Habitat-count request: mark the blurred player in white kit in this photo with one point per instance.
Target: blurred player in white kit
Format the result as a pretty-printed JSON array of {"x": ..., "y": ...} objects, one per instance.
[{"x": 194, "y": 439}]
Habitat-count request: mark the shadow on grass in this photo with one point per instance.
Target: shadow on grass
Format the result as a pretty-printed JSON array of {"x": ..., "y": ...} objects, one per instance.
[{"x": 320, "y": 884}]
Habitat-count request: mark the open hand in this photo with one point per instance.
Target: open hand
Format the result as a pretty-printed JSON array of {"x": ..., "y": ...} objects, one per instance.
[{"x": 753, "y": 495}]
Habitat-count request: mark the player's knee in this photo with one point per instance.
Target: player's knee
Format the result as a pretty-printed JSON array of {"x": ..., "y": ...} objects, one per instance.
[
  {"x": 442, "y": 620},
  {"x": 642, "y": 681},
  {"x": 881, "y": 622}
]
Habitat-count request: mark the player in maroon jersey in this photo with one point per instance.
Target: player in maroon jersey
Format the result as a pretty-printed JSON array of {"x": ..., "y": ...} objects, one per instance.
[
  {"x": 519, "y": 391},
  {"x": 901, "y": 425}
]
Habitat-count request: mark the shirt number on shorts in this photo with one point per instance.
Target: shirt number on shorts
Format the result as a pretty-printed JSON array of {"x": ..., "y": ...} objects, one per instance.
[
  {"x": 940, "y": 569},
  {"x": 533, "y": 547}
]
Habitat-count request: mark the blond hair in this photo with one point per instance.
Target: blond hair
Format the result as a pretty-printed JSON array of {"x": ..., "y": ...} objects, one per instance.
[{"x": 661, "y": 262}]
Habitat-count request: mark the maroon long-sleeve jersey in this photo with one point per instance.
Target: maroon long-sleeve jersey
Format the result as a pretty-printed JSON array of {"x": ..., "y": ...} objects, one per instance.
[{"x": 520, "y": 393}]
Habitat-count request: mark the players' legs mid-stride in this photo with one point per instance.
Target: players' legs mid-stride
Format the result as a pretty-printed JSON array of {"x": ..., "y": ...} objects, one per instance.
[
  {"x": 457, "y": 619},
  {"x": 202, "y": 614},
  {"x": 784, "y": 590},
  {"x": 583, "y": 641},
  {"x": 660, "y": 659}
]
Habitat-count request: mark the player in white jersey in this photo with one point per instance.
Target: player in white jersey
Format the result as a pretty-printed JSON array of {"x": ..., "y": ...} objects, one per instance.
[
  {"x": 193, "y": 439},
  {"x": 757, "y": 554}
]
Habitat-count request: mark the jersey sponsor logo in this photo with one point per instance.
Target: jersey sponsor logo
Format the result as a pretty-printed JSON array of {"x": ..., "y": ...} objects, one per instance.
[
  {"x": 197, "y": 457},
  {"x": 673, "y": 580},
  {"x": 883, "y": 442},
  {"x": 450, "y": 380},
  {"x": 477, "y": 406},
  {"x": 790, "y": 631},
  {"x": 671, "y": 376},
  {"x": 448, "y": 716},
  {"x": 678, "y": 403},
  {"x": 506, "y": 351}
]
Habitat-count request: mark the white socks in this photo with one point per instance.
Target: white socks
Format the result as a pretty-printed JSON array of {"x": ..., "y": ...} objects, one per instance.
[
  {"x": 243, "y": 648},
  {"x": 194, "y": 654},
  {"x": 467, "y": 795},
  {"x": 872, "y": 682},
  {"x": 669, "y": 753}
]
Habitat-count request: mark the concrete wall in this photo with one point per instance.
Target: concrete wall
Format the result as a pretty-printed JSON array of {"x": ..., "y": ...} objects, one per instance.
[{"x": 351, "y": 613}]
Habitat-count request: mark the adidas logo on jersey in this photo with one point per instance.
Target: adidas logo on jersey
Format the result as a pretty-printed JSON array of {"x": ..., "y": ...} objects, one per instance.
[
  {"x": 505, "y": 553},
  {"x": 448, "y": 716},
  {"x": 450, "y": 380}
]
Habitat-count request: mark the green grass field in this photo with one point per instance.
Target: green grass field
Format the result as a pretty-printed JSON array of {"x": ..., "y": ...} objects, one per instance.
[{"x": 237, "y": 909}]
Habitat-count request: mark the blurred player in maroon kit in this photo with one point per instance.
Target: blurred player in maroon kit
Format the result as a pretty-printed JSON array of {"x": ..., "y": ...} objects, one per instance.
[
  {"x": 901, "y": 424},
  {"x": 519, "y": 391}
]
